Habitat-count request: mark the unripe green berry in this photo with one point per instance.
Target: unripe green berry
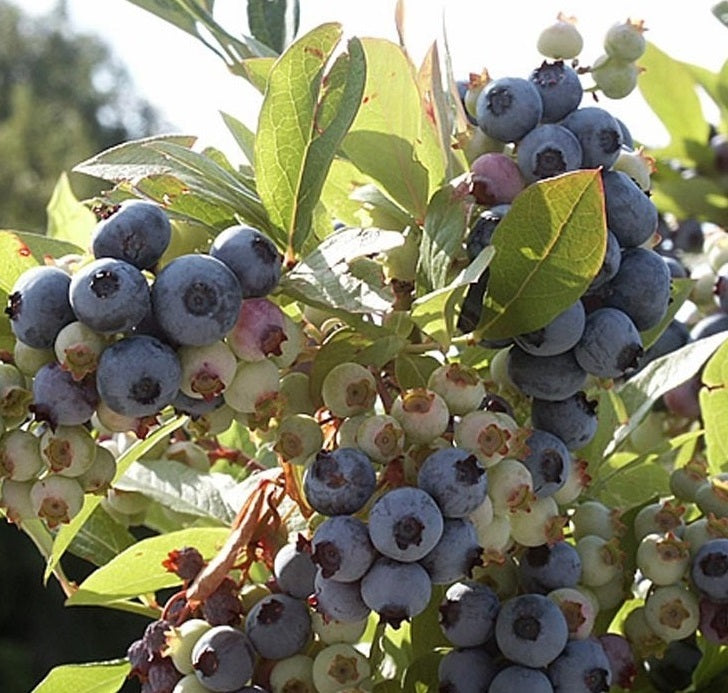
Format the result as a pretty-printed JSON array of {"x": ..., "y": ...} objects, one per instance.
[
  {"x": 638, "y": 165},
  {"x": 206, "y": 370},
  {"x": 127, "y": 502},
  {"x": 561, "y": 40},
  {"x": 339, "y": 666},
  {"x": 661, "y": 517},
  {"x": 188, "y": 453},
  {"x": 330, "y": 631},
  {"x": 626, "y": 40},
  {"x": 98, "y": 477},
  {"x": 579, "y": 608},
  {"x": 540, "y": 524},
  {"x": 644, "y": 641},
  {"x": 297, "y": 395},
  {"x": 381, "y": 437},
  {"x": 15, "y": 397},
  {"x": 611, "y": 594},
  {"x": 672, "y": 612},
  {"x": 510, "y": 486},
  {"x": 349, "y": 389},
  {"x": 56, "y": 499},
  {"x": 15, "y": 498},
  {"x": 297, "y": 438},
  {"x": 68, "y": 450},
  {"x": 77, "y": 348},
  {"x": 615, "y": 78},
  {"x": 29, "y": 360},
  {"x": 593, "y": 517},
  {"x": 253, "y": 381},
  {"x": 293, "y": 674},
  {"x": 292, "y": 345},
  {"x": 180, "y": 641},
  {"x": 460, "y": 386},
  {"x": 601, "y": 560},
  {"x": 422, "y": 413},
  {"x": 20, "y": 458},
  {"x": 489, "y": 435},
  {"x": 663, "y": 559}
]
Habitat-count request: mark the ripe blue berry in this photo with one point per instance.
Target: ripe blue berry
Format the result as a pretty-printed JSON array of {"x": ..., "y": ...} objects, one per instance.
[
  {"x": 339, "y": 482},
  {"x": 548, "y": 150},
  {"x": 710, "y": 570},
  {"x": 137, "y": 232},
  {"x": 610, "y": 264},
  {"x": 455, "y": 479},
  {"x": 342, "y": 548},
  {"x": 558, "y": 336},
  {"x": 222, "y": 659},
  {"x": 279, "y": 626},
  {"x": 573, "y": 420},
  {"x": 109, "y": 295},
  {"x": 196, "y": 299},
  {"x": 544, "y": 568},
  {"x": 631, "y": 215},
  {"x": 294, "y": 568},
  {"x": 60, "y": 399},
  {"x": 405, "y": 524},
  {"x": 252, "y": 257},
  {"x": 466, "y": 670},
  {"x": 548, "y": 460},
  {"x": 560, "y": 89},
  {"x": 598, "y": 133},
  {"x": 38, "y": 306},
  {"x": 546, "y": 377},
  {"x": 467, "y": 613},
  {"x": 531, "y": 630},
  {"x": 138, "y": 376},
  {"x": 455, "y": 555},
  {"x": 582, "y": 667},
  {"x": 340, "y": 601},
  {"x": 508, "y": 108},
  {"x": 519, "y": 678}
]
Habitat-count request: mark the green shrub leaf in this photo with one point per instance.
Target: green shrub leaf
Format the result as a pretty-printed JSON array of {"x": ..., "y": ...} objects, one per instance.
[
  {"x": 95, "y": 677},
  {"x": 302, "y": 122},
  {"x": 69, "y": 219},
  {"x": 139, "y": 570},
  {"x": 713, "y": 408},
  {"x": 548, "y": 248},
  {"x": 273, "y": 22}
]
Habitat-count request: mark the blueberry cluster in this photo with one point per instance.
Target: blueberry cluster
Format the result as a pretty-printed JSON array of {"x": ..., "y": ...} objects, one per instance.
[{"x": 121, "y": 338}]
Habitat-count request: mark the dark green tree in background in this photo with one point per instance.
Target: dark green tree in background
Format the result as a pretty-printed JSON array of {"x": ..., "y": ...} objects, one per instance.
[{"x": 63, "y": 97}]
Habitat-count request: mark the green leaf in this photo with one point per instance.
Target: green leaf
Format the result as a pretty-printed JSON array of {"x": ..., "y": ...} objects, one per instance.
[
  {"x": 698, "y": 197},
  {"x": 101, "y": 538},
  {"x": 444, "y": 230},
  {"x": 133, "y": 160},
  {"x": 324, "y": 278},
  {"x": 255, "y": 70},
  {"x": 69, "y": 219},
  {"x": 664, "y": 78},
  {"x": 422, "y": 676},
  {"x": 434, "y": 313},
  {"x": 139, "y": 570},
  {"x": 381, "y": 352},
  {"x": 392, "y": 139},
  {"x": 713, "y": 408},
  {"x": 243, "y": 135},
  {"x": 96, "y": 677},
  {"x": 180, "y": 488},
  {"x": 642, "y": 390},
  {"x": 548, "y": 248},
  {"x": 67, "y": 533},
  {"x": 273, "y": 22},
  {"x": 628, "y": 488},
  {"x": 302, "y": 122},
  {"x": 413, "y": 370},
  {"x": 15, "y": 258},
  {"x": 720, "y": 10},
  {"x": 426, "y": 633},
  {"x": 714, "y": 661}
]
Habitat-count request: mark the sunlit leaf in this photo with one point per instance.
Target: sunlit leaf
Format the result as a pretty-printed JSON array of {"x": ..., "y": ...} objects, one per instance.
[
  {"x": 69, "y": 219},
  {"x": 547, "y": 250},
  {"x": 273, "y": 22},
  {"x": 95, "y": 677},
  {"x": 713, "y": 408}
]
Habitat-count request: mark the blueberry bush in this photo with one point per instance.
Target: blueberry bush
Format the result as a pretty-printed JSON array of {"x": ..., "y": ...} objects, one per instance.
[{"x": 429, "y": 394}]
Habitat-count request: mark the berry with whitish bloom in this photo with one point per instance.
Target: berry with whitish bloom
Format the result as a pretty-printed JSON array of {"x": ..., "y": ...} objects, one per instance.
[
  {"x": 642, "y": 639},
  {"x": 495, "y": 179},
  {"x": 296, "y": 393},
  {"x": 61, "y": 400},
  {"x": 467, "y": 613},
  {"x": 253, "y": 381},
  {"x": 548, "y": 460},
  {"x": 610, "y": 264},
  {"x": 573, "y": 420},
  {"x": 349, "y": 389},
  {"x": 138, "y": 376},
  {"x": 259, "y": 330},
  {"x": 579, "y": 608},
  {"x": 342, "y": 548},
  {"x": 466, "y": 670},
  {"x": 560, "y": 40},
  {"x": 712, "y": 496},
  {"x": 626, "y": 41},
  {"x": 381, "y": 437},
  {"x": 455, "y": 479},
  {"x": 460, "y": 386},
  {"x": 709, "y": 570},
  {"x": 38, "y": 306},
  {"x": 601, "y": 559},
  {"x": 663, "y": 558},
  {"x": 631, "y": 214},
  {"x": 298, "y": 436},
  {"x": 196, "y": 299},
  {"x": 339, "y": 482},
  {"x": 495, "y": 539},
  {"x": 78, "y": 347},
  {"x": 56, "y": 499},
  {"x": 544, "y": 568},
  {"x": 293, "y": 673},
  {"x": 109, "y": 295},
  {"x": 621, "y": 659},
  {"x": 251, "y": 256},
  {"x": 576, "y": 482},
  {"x": 15, "y": 499},
  {"x": 672, "y": 611},
  {"x": 615, "y": 78},
  {"x": 548, "y": 150},
  {"x": 291, "y": 346},
  {"x": 223, "y": 659},
  {"x": 28, "y": 359},
  {"x": 540, "y": 524},
  {"x": 661, "y": 517},
  {"x": 396, "y": 591},
  {"x": 422, "y": 413},
  {"x": 507, "y": 109},
  {"x": 279, "y": 626},
  {"x": 456, "y": 554},
  {"x": 546, "y": 377},
  {"x": 206, "y": 370},
  {"x": 593, "y": 517},
  {"x": 531, "y": 630},
  {"x": 340, "y": 601},
  {"x": 515, "y": 677},
  {"x": 68, "y": 450},
  {"x": 405, "y": 524},
  {"x": 489, "y": 435},
  {"x": 136, "y": 231},
  {"x": 559, "y": 335},
  {"x": 598, "y": 133},
  {"x": 294, "y": 568},
  {"x": 582, "y": 667},
  {"x": 560, "y": 89},
  {"x": 339, "y": 666},
  {"x": 331, "y": 631},
  {"x": 346, "y": 432},
  {"x": 20, "y": 458},
  {"x": 510, "y": 486}
]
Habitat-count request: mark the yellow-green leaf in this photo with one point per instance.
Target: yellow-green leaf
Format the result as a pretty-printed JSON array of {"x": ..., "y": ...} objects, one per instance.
[
  {"x": 95, "y": 677},
  {"x": 69, "y": 219}
]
